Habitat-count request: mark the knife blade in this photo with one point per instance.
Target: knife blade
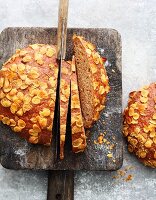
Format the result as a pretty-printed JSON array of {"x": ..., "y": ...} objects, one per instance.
[{"x": 61, "y": 52}]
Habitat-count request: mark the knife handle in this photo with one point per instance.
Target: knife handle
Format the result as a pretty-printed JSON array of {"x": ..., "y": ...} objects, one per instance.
[
  {"x": 62, "y": 28},
  {"x": 60, "y": 185}
]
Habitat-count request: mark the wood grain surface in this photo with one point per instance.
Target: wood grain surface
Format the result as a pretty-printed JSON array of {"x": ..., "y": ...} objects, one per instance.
[
  {"x": 60, "y": 185},
  {"x": 16, "y": 153}
]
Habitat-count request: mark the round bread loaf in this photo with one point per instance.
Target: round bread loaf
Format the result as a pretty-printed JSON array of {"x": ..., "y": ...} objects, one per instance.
[
  {"x": 92, "y": 80},
  {"x": 140, "y": 124},
  {"x": 28, "y": 82}
]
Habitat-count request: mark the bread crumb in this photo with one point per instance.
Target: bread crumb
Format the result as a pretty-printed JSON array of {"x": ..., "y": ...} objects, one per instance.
[
  {"x": 122, "y": 174},
  {"x": 109, "y": 155},
  {"x": 113, "y": 70},
  {"x": 129, "y": 178}
]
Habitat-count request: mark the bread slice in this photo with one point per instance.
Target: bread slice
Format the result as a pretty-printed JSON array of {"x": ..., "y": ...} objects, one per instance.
[
  {"x": 78, "y": 131},
  {"x": 28, "y": 82},
  {"x": 64, "y": 102},
  {"x": 92, "y": 80}
]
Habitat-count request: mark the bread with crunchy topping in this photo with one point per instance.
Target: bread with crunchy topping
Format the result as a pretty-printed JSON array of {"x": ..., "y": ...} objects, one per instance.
[
  {"x": 92, "y": 80},
  {"x": 64, "y": 102},
  {"x": 140, "y": 124},
  {"x": 77, "y": 127},
  {"x": 28, "y": 82}
]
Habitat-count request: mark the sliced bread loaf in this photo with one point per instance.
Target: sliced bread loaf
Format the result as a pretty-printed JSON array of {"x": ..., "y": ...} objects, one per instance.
[
  {"x": 77, "y": 127},
  {"x": 92, "y": 80},
  {"x": 28, "y": 82}
]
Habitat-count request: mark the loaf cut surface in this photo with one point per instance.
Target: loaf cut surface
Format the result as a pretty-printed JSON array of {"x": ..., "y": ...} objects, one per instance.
[
  {"x": 92, "y": 80},
  {"x": 140, "y": 124},
  {"x": 77, "y": 127}
]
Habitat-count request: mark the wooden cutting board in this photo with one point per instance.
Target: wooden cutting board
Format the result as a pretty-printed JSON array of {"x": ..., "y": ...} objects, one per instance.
[{"x": 16, "y": 153}]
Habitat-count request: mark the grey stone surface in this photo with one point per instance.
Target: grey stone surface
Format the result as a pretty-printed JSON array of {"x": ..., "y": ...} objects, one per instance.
[{"x": 136, "y": 21}]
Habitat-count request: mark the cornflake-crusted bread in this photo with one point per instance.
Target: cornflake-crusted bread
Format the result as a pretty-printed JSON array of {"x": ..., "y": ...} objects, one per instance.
[
  {"x": 78, "y": 132},
  {"x": 92, "y": 80},
  {"x": 64, "y": 102},
  {"x": 140, "y": 124},
  {"x": 28, "y": 82}
]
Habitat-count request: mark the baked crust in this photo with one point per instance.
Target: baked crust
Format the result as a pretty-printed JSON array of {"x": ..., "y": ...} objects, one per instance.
[
  {"x": 77, "y": 127},
  {"x": 28, "y": 82},
  {"x": 64, "y": 102},
  {"x": 99, "y": 80},
  {"x": 140, "y": 124}
]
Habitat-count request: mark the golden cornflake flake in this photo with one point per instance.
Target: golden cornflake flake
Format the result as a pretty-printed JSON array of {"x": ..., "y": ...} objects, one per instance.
[
  {"x": 21, "y": 67},
  {"x": 6, "y": 120},
  {"x": 36, "y": 128},
  {"x": 36, "y": 100},
  {"x": 17, "y": 129},
  {"x": 91, "y": 46},
  {"x": 143, "y": 99},
  {"x": 21, "y": 123},
  {"x": 13, "y": 67},
  {"x": 5, "y": 103},
  {"x": 2, "y": 95},
  {"x": 27, "y": 58},
  {"x": 148, "y": 143},
  {"x": 136, "y": 116},
  {"x": 20, "y": 112},
  {"x": 33, "y": 140},
  {"x": 50, "y": 52},
  {"x": 34, "y": 46},
  {"x": 101, "y": 90},
  {"x": 13, "y": 108},
  {"x": 12, "y": 122},
  {"x": 142, "y": 154},
  {"x": 45, "y": 112},
  {"x": 43, "y": 50},
  {"x": 154, "y": 116}
]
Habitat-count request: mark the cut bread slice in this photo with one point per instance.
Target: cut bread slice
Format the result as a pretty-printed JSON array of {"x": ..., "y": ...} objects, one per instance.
[
  {"x": 92, "y": 80},
  {"x": 64, "y": 102},
  {"x": 78, "y": 131}
]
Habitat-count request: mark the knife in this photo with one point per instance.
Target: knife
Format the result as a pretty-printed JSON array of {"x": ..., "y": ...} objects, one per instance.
[
  {"x": 61, "y": 52},
  {"x": 60, "y": 183}
]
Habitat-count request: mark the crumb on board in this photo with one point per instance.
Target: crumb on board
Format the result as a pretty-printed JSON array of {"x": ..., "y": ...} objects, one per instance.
[
  {"x": 109, "y": 155},
  {"x": 102, "y": 140},
  {"x": 122, "y": 174},
  {"x": 129, "y": 178}
]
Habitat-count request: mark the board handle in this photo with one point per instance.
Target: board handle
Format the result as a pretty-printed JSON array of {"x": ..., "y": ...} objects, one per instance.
[{"x": 60, "y": 185}]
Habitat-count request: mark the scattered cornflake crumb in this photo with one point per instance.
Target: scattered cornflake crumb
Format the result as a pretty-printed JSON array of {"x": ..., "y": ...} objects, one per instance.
[
  {"x": 111, "y": 146},
  {"x": 129, "y": 178},
  {"x": 122, "y": 174},
  {"x": 115, "y": 177},
  {"x": 109, "y": 155}
]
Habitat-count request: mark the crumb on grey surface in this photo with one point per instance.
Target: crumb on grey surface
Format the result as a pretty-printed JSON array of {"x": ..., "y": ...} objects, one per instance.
[{"x": 136, "y": 21}]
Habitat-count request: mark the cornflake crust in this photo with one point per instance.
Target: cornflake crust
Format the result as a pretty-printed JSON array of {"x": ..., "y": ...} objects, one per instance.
[
  {"x": 78, "y": 132},
  {"x": 64, "y": 102},
  {"x": 140, "y": 124},
  {"x": 28, "y": 82},
  {"x": 100, "y": 81}
]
